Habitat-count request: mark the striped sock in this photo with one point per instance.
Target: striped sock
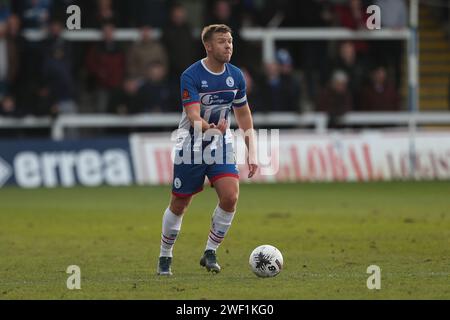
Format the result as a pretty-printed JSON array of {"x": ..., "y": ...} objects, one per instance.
[
  {"x": 221, "y": 222},
  {"x": 170, "y": 228}
]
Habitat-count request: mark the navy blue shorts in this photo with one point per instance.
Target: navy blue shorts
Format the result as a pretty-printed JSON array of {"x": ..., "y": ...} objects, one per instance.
[{"x": 188, "y": 179}]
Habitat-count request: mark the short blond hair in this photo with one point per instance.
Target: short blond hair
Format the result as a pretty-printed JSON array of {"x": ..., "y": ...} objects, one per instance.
[{"x": 208, "y": 31}]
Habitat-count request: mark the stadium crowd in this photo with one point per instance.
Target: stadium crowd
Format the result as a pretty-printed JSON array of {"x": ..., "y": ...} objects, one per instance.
[{"x": 55, "y": 76}]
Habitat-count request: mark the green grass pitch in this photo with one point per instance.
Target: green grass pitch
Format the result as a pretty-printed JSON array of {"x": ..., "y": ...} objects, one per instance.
[{"x": 328, "y": 233}]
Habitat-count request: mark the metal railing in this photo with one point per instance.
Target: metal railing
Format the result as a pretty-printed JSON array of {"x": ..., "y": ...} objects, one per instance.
[
  {"x": 318, "y": 122},
  {"x": 268, "y": 36}
]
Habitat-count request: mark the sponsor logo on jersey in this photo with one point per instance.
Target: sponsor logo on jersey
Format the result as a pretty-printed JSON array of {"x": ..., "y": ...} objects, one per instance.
[
  {"x": 204, "y": 84},
  {"x": 219, "y": 98},
  {"x": 210, "y": 99}
]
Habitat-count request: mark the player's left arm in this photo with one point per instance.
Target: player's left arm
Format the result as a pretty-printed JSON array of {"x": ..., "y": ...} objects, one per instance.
[{"x": 244, "y": 120}]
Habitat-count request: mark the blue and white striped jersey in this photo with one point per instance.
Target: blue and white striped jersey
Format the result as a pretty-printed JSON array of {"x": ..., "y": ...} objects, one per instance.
[{"x": 217, "y": 93}]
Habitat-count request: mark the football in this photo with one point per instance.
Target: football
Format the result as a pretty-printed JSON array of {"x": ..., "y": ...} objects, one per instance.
[{"x": 266, "y": 261}]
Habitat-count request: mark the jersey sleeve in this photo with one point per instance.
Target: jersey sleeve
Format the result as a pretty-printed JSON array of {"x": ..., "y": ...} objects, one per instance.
[
  {"x": 241, "y": 96},
  {"x": 189, "y": 92}
]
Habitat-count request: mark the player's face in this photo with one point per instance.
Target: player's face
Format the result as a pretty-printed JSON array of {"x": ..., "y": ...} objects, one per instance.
[{"x": 221, "y": 47}]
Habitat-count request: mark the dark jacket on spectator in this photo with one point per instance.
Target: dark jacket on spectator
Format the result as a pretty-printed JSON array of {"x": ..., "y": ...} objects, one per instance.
[
  {"x": 383, "y": 98},
  {"x": 57, "y": 69},
  {"x": 280, "y": 95},
  {"x": 183, "y": 50},
  {"x": 335, "y": 104}
]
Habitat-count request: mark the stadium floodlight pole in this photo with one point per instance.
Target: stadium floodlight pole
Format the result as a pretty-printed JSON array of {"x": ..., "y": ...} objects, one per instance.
[{"x": 413, "y": 76}]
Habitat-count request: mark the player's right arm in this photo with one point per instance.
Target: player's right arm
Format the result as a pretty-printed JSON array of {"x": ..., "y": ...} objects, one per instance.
[
  {"x": 193, "y": 114},
  {"x": 191, "y": 105}
]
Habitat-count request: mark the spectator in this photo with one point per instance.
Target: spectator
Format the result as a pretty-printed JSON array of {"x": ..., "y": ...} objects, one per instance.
[
  {"x": 35, "y": 14},
  {"x": 5, "y": 11},
  {"x": 351, "y": 64},
  {"x": 271, "y": 87},
  {"x": 381, "y": 94},
  {"x": 124, "y": 99},
  {"x": 145, "y": 52},
  {"x": 289, "y": 79},
  {"x": 105, "y": 11},
  {"x": 177, "y": 39},
  {"x": 154, "y": 93},
  {"x": 145, "y": 95},
  {"x": 28, "y": 61},
  {"x": 336, "y": 98},
  {"x": 106, "y": 65},
  {"x": 147, "y": 12},
  {"x": 16, "y": 44},
  {"x": 278, "y": 90},
  {"x": 393, "y": 15},
  {"x": 58, "y": 8},
  {"x": 6, "y": 56},
  {"x": 250, "y": 12},
  {"x": 221, "y": 12},
  {"x": 9, "y": 61},
  {"x": 313, "y": 54},
  {"x": 8, "y": 70},
  {"x": 307, "y": 13},
  {"x": 252, "y": 90},
  {"x": 89, "y": 11},
  {"x": 8, "y": 107},
  {"x": 183, "y": 48},
  {"x": 57, "y": 71},
  {"x": 353, "y": 15}
]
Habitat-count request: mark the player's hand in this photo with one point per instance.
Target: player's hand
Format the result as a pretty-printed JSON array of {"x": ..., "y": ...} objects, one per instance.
[
  {"x": 222, "y": 126},
  {"x": 252, "y": 167}
]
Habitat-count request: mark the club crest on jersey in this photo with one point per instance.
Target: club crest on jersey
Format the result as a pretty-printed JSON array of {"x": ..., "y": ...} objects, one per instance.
[
  {"x": 230, "y": 82},
  {"x": 177, "y": 183}
]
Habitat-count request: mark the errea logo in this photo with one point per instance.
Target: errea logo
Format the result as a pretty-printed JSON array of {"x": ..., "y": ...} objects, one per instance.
[
  {"x": 204, "y": 84},
  {"x": 5, "y": 172}
]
